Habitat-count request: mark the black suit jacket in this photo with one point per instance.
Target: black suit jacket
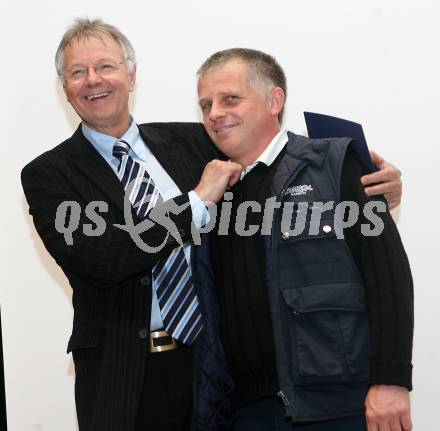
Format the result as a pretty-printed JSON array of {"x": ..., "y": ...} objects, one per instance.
[{"x": 109, "y": 274}]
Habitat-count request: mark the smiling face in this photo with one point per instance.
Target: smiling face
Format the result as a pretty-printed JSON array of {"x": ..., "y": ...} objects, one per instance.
[
  {"x": 100, "y": 101},
  {"x": 238, "y": 118}
]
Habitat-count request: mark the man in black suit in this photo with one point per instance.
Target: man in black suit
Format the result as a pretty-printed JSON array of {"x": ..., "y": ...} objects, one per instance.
[{"x": 130, "y": 373}]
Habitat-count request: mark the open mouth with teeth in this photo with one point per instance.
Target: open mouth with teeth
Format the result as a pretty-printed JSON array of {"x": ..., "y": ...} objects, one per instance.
[{"x": 97, "y": 96}]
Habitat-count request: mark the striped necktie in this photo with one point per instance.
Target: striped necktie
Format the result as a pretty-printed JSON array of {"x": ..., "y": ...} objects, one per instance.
[{"x": 172, "y": 276}]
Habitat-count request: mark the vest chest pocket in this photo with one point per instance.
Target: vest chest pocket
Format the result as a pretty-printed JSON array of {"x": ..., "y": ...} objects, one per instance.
[
  {"x": 328, "y": 327},
  {"x": 314, "y": 256}
]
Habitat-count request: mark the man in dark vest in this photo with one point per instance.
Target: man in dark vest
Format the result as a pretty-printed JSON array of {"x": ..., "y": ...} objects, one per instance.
[{"x": 316, "y": 323}]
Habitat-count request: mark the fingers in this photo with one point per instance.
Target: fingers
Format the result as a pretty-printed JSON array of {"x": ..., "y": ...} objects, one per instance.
[
  {"x": 235, "y": 177},
  {"x": 387, "y": 174},
  {"x": 386, "y": 181},
  {"x": 377, "y": 159},
  {"x": 391, "y": 191},
  {"x": 395, "y": 426},
  {"x": 216, "y": 178},
  {"x": 406, "y": 422},
  {"x": 377, "y": 421},
  {"x": 371, "y": 424}
]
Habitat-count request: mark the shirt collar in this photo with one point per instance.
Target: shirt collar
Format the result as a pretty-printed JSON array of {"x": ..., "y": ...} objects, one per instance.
[
  {"x": 104, "y": 143},
  {"x": 271, "y": 152}
]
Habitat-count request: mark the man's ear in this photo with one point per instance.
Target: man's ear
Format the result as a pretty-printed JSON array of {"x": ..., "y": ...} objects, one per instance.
[
  {"x": 132, "y": 75},
  {"x": 276, "y": 100},
  {"x": 66, "y": 92}
]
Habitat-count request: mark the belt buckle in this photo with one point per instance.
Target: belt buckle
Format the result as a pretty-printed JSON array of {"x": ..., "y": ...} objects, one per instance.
[{"x": 160, "y": 334}]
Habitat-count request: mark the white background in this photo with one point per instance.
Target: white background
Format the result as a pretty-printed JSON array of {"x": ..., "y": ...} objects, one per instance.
[{"x": 374, "y": 62}]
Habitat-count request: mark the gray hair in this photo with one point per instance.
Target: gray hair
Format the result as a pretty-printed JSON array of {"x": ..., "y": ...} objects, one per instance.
[
  {"x": 83, "y": 29},
  {"x": 264, "y": 72}
]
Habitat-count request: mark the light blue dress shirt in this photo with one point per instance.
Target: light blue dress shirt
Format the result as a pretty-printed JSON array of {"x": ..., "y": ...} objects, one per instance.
[{"x": 167, "y": 187}]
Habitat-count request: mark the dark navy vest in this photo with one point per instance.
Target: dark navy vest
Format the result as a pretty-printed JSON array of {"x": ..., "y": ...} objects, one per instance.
[{"x": 316, "y": 293}]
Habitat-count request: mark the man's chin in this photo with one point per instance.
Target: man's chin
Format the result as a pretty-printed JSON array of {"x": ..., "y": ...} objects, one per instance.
[
  {"x": 224, "y": 140},
  {"x": 227, "y": 150}
]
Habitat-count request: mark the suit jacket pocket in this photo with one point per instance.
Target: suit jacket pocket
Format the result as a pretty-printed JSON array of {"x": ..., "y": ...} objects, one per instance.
[
  {"x": 85, "y": 338},
  {"x": 86, "y": 347}
]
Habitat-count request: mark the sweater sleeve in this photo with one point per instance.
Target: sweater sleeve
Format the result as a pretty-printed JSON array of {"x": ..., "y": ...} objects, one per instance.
[{"x": 384, "y": 267}]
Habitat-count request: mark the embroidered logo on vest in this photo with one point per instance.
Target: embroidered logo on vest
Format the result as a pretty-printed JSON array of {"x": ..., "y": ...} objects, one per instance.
[{"x": 299, "y": 190}]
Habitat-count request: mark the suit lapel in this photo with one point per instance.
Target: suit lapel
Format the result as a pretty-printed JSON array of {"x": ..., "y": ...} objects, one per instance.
[
  {"x": 91, "y": 163},
  {"x": 169, "y": 154}
]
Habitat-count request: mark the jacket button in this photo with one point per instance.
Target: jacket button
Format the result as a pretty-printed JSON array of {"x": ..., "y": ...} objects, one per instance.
[
  {"x": 327, "y": 228},
  {"x": 285, "y": 235},
  {"x": 143, "y": 333},
  {"x": 145, "y": 280}
]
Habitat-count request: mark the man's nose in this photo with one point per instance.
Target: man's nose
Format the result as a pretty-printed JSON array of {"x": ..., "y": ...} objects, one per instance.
[
  {"x": 92, "y": 76},
  {"x": 216, "y": 111}
]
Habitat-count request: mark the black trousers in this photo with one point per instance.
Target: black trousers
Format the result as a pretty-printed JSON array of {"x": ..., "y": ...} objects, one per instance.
[
  {"x": 268, "y": 415},
  {"x": 166, "y": 400}
]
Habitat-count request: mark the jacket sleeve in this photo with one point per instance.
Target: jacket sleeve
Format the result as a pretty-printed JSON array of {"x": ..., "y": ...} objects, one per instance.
[
  {"x": 194, "y": 137},
  {"x": 385, "y": 269},
  {"x": 102, "y": 260}
]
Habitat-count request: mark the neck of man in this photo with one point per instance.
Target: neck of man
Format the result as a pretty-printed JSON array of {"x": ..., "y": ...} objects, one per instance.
[
  {"x": 117, "y": 131},
  {"x": 250, "y": 157}
]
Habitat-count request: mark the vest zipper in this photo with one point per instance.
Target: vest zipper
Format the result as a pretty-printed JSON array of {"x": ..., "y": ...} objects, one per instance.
[
  {"x": 274, "y": 241},
  {"x": 274, "y": 238},
  {"x": 283, "y": 398}
]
